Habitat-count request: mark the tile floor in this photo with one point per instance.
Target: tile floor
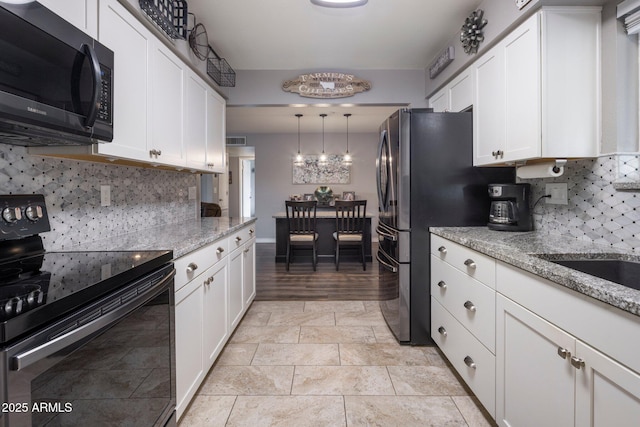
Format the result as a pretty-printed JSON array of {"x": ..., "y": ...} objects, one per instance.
[{"x": 328, "y": 363}]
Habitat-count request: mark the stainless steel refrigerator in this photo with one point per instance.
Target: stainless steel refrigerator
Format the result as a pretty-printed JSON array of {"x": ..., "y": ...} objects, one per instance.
[{"x": 425, "y": 178}]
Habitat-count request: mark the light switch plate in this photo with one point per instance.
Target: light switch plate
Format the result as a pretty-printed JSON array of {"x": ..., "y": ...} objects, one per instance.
[
  {"x": 521, "y": 3},
  {"x": 105, "y": 195},
  {"x": 558, "y": 193}
]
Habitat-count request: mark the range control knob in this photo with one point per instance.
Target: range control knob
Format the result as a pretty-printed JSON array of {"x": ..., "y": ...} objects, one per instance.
[
  {"x": 11, "y": 215},
  {"x": 33, "y": 213}
]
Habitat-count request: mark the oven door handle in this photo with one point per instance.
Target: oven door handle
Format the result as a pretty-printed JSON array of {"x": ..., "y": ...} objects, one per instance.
[
  {"x": 388, "y": 266},
  {"x": 27, "y": 358}
]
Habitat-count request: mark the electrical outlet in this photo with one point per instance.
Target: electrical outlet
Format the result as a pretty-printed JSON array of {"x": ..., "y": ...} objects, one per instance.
[
  {"x": 558, "y": 193},
  {"x": 105, "y": 195},
  {"x": 192, "y": 193},
  {"x": 521, "y": 3}
]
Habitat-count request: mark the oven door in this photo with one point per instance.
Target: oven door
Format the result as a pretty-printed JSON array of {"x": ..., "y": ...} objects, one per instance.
[
  {"x": 111, "y": 363},
  {"x": 394, "y": 283}
]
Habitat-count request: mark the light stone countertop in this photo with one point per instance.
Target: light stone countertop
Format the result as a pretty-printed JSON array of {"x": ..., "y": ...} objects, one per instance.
[
  {"x": 181, "y": 238},
  {"x": 531, "y": 251}
]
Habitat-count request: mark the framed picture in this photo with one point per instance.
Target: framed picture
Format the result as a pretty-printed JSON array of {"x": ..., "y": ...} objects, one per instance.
[
  {"x": 308, "y": 197},
  {"x": 348, "y": 195}
]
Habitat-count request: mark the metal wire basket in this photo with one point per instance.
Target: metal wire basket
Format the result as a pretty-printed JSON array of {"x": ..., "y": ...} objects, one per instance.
[
  {"x": 220, "y": 70},
  {"x": 169, "y": 15}
]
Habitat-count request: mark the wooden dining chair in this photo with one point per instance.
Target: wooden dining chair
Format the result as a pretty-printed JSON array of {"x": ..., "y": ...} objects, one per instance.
[
  {"x": 350, "y": 226},
  {"x": 301, "y": 218}
]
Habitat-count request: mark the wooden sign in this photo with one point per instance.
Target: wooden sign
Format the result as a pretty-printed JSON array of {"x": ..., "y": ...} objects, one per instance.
[{"x": 326, "y": 85}]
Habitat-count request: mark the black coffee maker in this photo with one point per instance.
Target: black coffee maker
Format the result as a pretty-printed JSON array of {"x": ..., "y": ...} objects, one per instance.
[{"x": 509, "y": 209}]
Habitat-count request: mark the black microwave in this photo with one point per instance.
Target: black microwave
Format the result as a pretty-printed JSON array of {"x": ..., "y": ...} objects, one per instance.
[{"x": 56, "y": 82}]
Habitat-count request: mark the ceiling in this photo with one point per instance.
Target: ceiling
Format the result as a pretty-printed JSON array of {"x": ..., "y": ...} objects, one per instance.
[{"x": 298, "y": 35}]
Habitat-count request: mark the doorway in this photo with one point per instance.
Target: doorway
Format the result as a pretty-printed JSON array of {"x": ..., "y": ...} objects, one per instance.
[{"x": 247, "y": 190}]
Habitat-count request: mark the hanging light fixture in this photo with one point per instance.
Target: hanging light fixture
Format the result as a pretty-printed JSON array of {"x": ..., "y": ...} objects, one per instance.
[
  {"x": 323, "y": 156},
  {"x": 299, "y": 161},
  {"x": 346, "y": 159}
]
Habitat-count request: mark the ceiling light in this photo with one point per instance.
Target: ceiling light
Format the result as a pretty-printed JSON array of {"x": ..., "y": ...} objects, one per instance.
[
  {"x": 299, "y": 161},
  {"x": 323, "y": 156},
  {"x": 339, "y": 3},
  {"x": 346, "y": 159}
]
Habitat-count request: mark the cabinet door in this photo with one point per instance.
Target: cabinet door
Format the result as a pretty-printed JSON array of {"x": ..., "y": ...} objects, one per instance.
[
  {"x": 215, "y": 316},
  {"x": 131, "y": 43},
  {"x": 235, "y": 287},
  {"x": 167, "y": 94},
  {"x": 461, "y": 91},
  {"x": 248, "y": 275},
  {"x": 488, "y": 108},
  {"x": 607, "y": 393},
  {"x": 190, "y": 368},
  {"x": 81, "y": 13},
  {"x": 440, "y": 101},
  {"x": 534, "y": 384},
  {"x": 216, "y": 132},
  {"x": 195, "y": 122},
  {"x": 522, "y": 64}
]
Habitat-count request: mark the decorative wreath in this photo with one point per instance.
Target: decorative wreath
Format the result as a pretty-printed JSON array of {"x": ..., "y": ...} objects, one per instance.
[{"x": 471, "y": 33}]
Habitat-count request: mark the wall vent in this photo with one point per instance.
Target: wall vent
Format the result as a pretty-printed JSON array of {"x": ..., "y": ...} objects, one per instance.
[{"x": 236, "y": 141}]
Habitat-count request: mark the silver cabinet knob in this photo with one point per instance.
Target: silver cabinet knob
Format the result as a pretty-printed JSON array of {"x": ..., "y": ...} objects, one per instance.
[
  {"x": 219, "y": 250},
  {"x": 209, "y": 165},
  {"x": 442, "y": 284},
  {"x": 442, "y": 331},
  {"x": 577, "y": 363},
  {"x": 251, "y": 231},
  {"x": 238, "y": 239},
  {"x": 469, "y": 306},
  {"x": 470, "y": 263},
  {"x": 442, "y": 250},
  {"x": 563, "y": 352},
  {"x": 246, "y": 250},
  {"x": 192, "y": 267},
  {"x": 469, "y": 362}
]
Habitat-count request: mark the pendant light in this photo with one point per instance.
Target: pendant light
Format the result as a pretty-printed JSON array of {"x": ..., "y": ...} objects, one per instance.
[
  {"x": 299, "y": 161},
  {"x": 346, "y": 159},
  {"x": 323, "y": 156}
]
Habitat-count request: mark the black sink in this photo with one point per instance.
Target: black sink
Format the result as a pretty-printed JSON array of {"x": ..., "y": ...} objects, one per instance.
[{"x": 626, "y": 273}]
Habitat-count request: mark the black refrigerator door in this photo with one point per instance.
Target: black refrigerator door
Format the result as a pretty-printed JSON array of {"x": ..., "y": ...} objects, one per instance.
[{"x": 384, "y": 177}]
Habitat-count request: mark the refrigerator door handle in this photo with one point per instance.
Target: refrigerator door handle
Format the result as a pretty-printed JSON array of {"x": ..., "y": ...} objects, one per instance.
[
  {"x": 387, "y": 235},
  {"x": 388, "y": 266}
]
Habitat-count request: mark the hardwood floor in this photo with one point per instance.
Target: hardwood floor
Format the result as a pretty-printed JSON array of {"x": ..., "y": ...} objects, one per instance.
[{"x": 273, "y": 282}]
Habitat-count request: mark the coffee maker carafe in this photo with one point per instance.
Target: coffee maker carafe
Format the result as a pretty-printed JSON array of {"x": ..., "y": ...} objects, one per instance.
[{"x": 509, "y": 209}]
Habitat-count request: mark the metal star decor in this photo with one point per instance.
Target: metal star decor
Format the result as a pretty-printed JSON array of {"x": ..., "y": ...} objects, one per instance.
[{"x": 471, "y": 33}]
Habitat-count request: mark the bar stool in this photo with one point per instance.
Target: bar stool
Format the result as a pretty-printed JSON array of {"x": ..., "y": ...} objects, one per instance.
[
  {"x": 301, "y": 218},
  {"x": 350, "y": 224}
]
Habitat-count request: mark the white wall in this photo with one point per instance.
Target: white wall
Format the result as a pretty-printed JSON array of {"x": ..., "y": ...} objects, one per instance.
[{"x": 274, "y": 168}]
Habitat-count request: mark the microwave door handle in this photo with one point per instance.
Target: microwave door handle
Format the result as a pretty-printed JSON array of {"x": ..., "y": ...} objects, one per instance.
[{"x": 97, "y": 84}]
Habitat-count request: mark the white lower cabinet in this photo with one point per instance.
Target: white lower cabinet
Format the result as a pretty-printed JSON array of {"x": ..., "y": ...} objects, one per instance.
[
  {"x": 249, "y": 272},
  {"x": 561, "y": 358},
  {"x": 209, "y": 306}
]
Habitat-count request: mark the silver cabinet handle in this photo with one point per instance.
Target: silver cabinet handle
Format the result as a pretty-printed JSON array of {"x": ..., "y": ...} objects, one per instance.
[
  {"x": 576, "y": 362},
  {"x": 563, "y": 352},
  {"x": 219, "y": 250},
  {"x": 251, "y": 231},
  {"x": 442, "y": 331},
  {"x": 469, "y": 306},
  {"x": 469, "y": 362},
  {"x": 208, "y": 281},
  {"x": 192, "y": 267},
  {"x": 442, "y": 284},
  {"x": 442, "y": 250},
  {"x": 238, "y": 239},
  {"x": 470, "y": 263}
]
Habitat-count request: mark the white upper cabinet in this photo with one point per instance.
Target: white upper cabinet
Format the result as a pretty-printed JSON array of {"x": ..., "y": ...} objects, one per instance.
[
  {"x": 537, "y": 92},
  {"x": 455, "y": 96},
  {"x": 216, "y": 132},
  {"x": 195, "y": 121},
  {"x": 131, "y": 43},
  {"x": 81, "y": 13}
]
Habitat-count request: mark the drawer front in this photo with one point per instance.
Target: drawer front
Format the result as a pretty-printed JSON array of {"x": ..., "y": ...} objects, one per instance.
[
  {"x": 469, "y": 301},
  {"x": 479, "y": 266},
  {"x": 462, "y": 350},
  {"x": 191, "y": 265},
  {"x": 241, "y": 237}
]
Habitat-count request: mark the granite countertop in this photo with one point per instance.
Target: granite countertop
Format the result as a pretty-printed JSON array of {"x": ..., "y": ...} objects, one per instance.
[
  {"x": 531, "y": 251},
  {"x": 181, "y": 238}
]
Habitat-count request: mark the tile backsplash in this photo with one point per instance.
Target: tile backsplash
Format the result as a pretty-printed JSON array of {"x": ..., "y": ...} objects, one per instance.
[
  {"x": 597, "y": 210},
  {"x": 140, "y": 198}
]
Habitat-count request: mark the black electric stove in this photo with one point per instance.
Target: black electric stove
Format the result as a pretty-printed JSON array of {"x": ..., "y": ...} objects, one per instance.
[{"x": 37, "y": 287}]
